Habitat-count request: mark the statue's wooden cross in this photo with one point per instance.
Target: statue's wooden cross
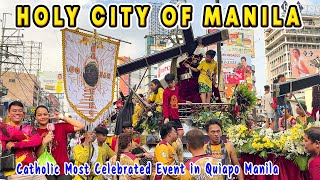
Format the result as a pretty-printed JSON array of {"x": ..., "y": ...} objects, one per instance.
[
  {"x": 282, "y": 89},
  {"x": 189, "y": 46}
]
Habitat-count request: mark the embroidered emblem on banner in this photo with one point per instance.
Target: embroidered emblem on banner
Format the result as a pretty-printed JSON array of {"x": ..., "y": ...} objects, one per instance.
[{"x": 89, "y": 67}]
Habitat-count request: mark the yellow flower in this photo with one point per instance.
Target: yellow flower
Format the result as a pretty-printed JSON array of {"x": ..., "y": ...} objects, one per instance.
[
  {"x": 308, "y": 127},
  {"x": 268, "y": 145},
  {"x": 265, "y": 139}
]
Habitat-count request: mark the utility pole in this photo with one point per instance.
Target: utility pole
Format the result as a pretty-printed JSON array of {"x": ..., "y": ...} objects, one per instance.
[
  {"x": 7, "y": 41},
  {"x": 219, "y": 56},
  {"x": 1, "y": 53}
]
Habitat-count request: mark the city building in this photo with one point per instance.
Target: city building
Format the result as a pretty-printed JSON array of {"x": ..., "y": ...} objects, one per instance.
[
  {"x": 279, "y": 42},
  {"x": 284, "y": 48},
  {"x": 52, "y": 102},
  {"x": 21, "y": 86}
]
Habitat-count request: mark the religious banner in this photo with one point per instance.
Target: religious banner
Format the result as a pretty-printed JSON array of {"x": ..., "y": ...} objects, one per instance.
[{"x": 89, "y": 68}]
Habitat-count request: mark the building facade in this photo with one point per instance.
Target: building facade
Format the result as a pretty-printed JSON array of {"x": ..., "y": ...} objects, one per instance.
[
  {"x": 285, "y": 47},
  {"x": 279, "y": 42},
  {"x": 22, "y": 86}
]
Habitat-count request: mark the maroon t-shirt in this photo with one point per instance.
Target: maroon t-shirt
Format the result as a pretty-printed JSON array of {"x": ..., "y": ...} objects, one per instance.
[
  {"x": 170, "y": 103},
  {"x": 59, "y": 144},
  {"x": 314, "y": 168}
]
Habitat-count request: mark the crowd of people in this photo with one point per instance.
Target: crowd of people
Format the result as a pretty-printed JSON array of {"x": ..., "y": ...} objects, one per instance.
[
  {"x": 279, "y": 113},
  {"x": 28, "y": 143}
]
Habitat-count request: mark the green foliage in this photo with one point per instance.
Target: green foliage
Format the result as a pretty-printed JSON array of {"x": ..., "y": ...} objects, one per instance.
[
  {"x": 202, "y": 117},
  {"x": 263, "y": 154},
  {"x": 151, "y": 124},
  {"x": 302, "y": 162},
  {"x": 246, "y": 99}
]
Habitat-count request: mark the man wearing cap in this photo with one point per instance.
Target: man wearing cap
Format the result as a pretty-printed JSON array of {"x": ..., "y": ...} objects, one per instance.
[
  {"x": 93, "y": 150},
  {"x": 208, "y": 72}
]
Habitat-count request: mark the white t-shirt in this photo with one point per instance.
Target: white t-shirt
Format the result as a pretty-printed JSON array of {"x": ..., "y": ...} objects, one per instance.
[
  {"x": 74, "y": 142},
  {"x": 267, "y": 103}
]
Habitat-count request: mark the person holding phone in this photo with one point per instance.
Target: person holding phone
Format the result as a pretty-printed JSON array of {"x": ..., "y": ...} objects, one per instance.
[{"x": 57, "y": 137}]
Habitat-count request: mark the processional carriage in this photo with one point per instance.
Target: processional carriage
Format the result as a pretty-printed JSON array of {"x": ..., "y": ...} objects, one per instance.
[{"x": 194, "y": 115}]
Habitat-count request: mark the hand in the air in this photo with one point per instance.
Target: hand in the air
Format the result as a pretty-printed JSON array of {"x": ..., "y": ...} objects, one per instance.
[{"x": 57, "y": 116}]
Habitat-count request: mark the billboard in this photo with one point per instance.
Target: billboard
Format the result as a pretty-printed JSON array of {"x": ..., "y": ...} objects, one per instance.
[
  {"x": 51, "y": 81},
  {"x": 237, "y": 69},
  {"x": 233, "y": 70},
  {"x": 163, "y": 70},
  {"x": 301, "y": 64},
  {"x": 240, "y": 41}
]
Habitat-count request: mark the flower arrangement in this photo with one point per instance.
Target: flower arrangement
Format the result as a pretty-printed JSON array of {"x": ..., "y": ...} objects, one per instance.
[
  {"x": 202, "y": 117},
  {"x": 245, "y": 98},
  {"x": 294, "y": 148},
  {"x": 151, "y": 119},
  {"x": 287, "y": 143},
  {"x": 243, "y": 101},
  {"x": 238, "y": 135}
]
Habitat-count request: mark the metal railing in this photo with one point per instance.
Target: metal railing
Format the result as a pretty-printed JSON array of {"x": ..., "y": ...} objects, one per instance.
[{"x": 188, "y": 111}]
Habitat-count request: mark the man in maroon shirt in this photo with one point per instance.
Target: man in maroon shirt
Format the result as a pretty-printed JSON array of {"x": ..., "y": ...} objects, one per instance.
[
  {"x": 170, "y": 104},
  {"x": 312, "y": 146}
]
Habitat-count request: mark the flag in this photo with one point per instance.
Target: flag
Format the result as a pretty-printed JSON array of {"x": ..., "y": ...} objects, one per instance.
[
  {"x": 125, "y": 114},
  {"x": 89, "y": 72}
]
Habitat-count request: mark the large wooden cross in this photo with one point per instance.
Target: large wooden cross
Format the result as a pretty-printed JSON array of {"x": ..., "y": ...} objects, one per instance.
[
  {"x": 282, "y": 89},
  {"x": 189, "y": 46}
]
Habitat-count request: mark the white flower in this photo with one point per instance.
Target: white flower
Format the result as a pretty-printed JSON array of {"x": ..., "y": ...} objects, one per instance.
[
  {"x": 150, "y": 114},
  {"x": 316, "y": 124}
]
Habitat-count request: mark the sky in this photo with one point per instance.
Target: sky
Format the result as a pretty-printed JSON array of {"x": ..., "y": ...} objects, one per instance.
[{"x": 52, "y": 41}]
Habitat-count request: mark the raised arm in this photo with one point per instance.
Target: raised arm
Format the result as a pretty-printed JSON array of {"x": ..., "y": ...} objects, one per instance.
[
  {"x": 192, "y": 68},
  {"x": 75, "y": 123}
]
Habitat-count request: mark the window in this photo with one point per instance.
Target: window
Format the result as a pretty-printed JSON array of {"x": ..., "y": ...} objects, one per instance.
[{"x": 12, "y": 80}]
